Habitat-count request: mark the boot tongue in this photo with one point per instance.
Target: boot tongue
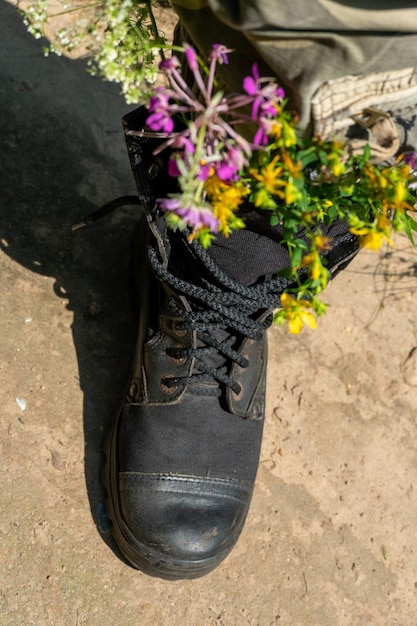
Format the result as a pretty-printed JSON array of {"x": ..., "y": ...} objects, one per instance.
[{"x": 250, "y": 256}]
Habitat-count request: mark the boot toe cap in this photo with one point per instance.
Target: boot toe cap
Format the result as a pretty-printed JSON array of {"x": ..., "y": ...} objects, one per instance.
[{"x": 180, "y": 526}]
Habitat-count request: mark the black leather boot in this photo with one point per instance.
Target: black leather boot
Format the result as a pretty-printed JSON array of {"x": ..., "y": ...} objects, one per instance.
[{"x": 183, "y": 452}]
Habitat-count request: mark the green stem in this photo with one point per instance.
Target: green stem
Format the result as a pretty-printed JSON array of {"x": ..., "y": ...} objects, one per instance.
[
  {"x": 154, "y": 26},
  {"x": 189, "y": 184},
  {"x": 79, "y": 8},
  {"x": 197, "y": 160}
]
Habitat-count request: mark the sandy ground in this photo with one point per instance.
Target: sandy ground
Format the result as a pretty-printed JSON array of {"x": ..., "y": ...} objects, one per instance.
[{"x": 331, "y": 535}]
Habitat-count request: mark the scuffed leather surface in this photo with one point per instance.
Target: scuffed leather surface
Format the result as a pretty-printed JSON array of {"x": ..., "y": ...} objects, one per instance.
[
  {"x": 250, "y": 402},
  {"x": 183, "y": 517}
]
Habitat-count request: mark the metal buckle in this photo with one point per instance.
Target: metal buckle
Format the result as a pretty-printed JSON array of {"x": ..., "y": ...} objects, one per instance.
[{"x": 369, "y": 117}]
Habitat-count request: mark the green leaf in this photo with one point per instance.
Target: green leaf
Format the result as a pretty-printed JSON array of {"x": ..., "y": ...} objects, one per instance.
[
  {"x": 301, "y": 244},
  {"x": 287, "y": 272},
  {"x": 409, "y": 226},
  {"x": 307, "y": 158}
]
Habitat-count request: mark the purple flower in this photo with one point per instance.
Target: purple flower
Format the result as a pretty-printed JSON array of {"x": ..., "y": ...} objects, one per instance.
[
  {"x": 159, "y": 100},
  {"x": 197, "y": 217},
  {"x": 225, "y": 171},
  {"x": 160, "y": 122},
  {"x": 411, "y": 159},
  {"x": 194, "y": 216},
  {"x": 209, "y": 220},
  {"x": 261, "y": 137},
  {"x": 169, "y": 204},
  {"x": 173, "y": 168},
  {"x": 264, "y": 104},
  {"x": 167, "y": 65},
  {"x": 280, "y": 93},
  {"x": 236, "y": 158},
  {"x": 184, "y": 143},
  {"x": 264, "y": 98},
  {"x": 250, "y": 83},
  {"x": 210, "y": 143},
  {"x": 159, "y": 118},
  {"x": 204, "y": 172},
  {"x": 219, "y": 53},
  {"x": 191, "y": 58}
]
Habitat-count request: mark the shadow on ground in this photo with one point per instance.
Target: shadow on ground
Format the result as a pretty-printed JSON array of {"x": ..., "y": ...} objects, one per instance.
[{"x": 62, "y": 155}]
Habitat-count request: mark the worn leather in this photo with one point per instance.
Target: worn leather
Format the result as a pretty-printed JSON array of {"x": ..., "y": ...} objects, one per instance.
[
  {"x": 183, "y": 520},
  {"x": 250, "y": 402}
]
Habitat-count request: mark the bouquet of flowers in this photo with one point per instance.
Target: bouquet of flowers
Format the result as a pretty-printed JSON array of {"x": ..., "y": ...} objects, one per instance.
[
  {"x": 303, "y": 184},
  {"x": 228, "y": 148}
]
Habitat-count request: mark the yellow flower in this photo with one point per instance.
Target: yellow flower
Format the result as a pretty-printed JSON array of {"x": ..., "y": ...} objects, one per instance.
[
  {"x": 272, "y": 182},
  {"x": 307, "y": 217},
  {"x": 400, "y": 192},
  {"x": 225, "y": 199},
  {"x": 289, "y": 135},
  {"x": 275, "y": 130},
  {"x": 371, "y": 238},
  {"x": 268, "y": 176},
  {"x": 264, "y": 200},
  {"x": 232, "y": 197},
  {"x": 338, "y": 168},
  {"x": 383, "y": 225},
  {"x": 336, "y": 156},
  {"x": 293, "y": 167},
  {"x": 292, "y": 193},
  {"x": 213, "y": 185},
  {"x": 359, "y": 231},
  {"x": 376, "y": 176},
  {"x": 321, "y": 243},
  {"x": 297, "y": 314},
  {"x": 317, "y": 271},
  {"x": 312, "y": 261}
]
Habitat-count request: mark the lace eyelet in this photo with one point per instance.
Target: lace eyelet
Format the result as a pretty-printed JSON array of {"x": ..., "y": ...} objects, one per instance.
[
  {"x": 176, "y": 354},
  {"x": 179, "y": 361},
  {"x": 176, "y": 327},
  {"x": 168, "y": 389}
]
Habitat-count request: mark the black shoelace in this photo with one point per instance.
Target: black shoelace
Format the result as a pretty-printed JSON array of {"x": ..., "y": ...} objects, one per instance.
[
  {"x": 224, "y": 312},
  {"x": 117, "y": 203}
]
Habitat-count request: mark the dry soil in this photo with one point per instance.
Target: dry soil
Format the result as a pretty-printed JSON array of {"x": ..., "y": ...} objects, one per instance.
[{"x": 331, "y": 535}]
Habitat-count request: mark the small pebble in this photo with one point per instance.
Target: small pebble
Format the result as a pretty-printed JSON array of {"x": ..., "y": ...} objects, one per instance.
[{"x": 21, "y": 403}]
